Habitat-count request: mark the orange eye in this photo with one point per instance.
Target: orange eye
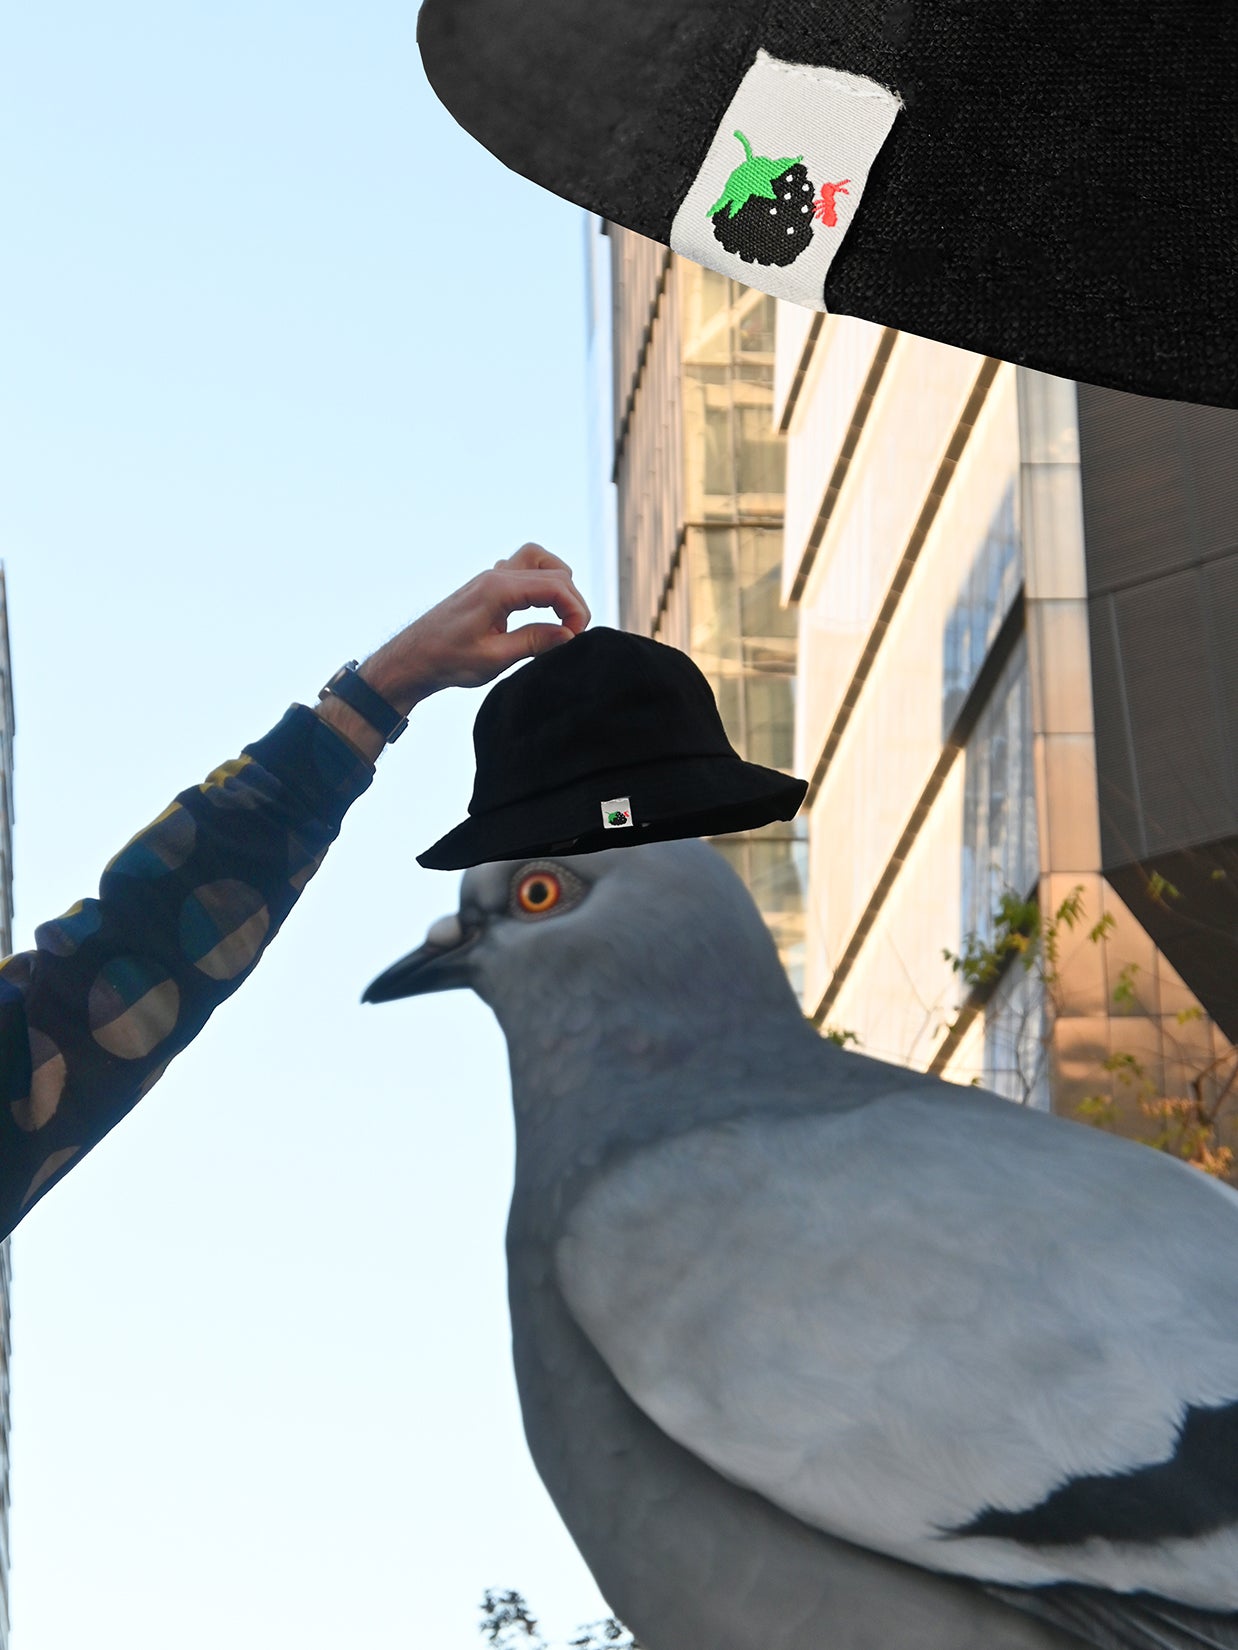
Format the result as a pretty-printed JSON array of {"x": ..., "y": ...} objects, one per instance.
[{"x": 539, "y": 891}]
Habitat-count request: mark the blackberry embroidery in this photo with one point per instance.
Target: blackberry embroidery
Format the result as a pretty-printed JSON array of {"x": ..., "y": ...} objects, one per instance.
[{"x": 766, "y": 212}]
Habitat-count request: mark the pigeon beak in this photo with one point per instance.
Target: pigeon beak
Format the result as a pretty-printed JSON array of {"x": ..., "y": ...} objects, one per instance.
[{"x": 440, "y": 964}]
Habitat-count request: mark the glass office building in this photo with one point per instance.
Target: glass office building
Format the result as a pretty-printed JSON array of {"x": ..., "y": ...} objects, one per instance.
[{"x": 699, "y": 473}]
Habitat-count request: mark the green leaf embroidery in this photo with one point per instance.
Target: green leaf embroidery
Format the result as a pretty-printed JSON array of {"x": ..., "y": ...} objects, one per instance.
[{"x": 755, "y": 176}]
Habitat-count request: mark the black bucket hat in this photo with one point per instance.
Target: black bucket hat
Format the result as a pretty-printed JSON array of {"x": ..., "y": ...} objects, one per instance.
[
  {"x": 607, "y": 740},
  {"x": 1053, "y": 182}
]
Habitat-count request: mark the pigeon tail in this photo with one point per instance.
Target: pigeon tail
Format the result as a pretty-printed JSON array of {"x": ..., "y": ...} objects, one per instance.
[{"x": 1124, "y": 1621}]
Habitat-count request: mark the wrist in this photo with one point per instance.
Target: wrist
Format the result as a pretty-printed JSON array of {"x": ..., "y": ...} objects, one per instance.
[
  {"x": 387, "y": 672},
  {"x": 353, "y": 729},
  {"x": 366, "y": 702}
]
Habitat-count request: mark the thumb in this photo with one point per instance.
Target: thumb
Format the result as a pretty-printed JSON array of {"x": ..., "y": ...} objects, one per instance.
[{"x": 532, "y": 639}]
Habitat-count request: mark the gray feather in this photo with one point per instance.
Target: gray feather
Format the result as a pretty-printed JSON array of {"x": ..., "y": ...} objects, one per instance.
[{"x": 1124, "y": 1622}]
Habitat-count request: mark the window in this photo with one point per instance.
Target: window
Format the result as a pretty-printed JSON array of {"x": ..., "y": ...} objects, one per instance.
[
  {"x": 1000, "y": 848},
  {"x": 1001, "y": 852},
  {"x": 760, "y": 585},
  {"x": 1016, "y": 1056},
  {"x": 756, "y": 328},
  {"x": 719, "y": 460},
  {"x": 770, "y": 721},
  {"x": 985, "y": 597},
  {"x": 762, "y": 452}
]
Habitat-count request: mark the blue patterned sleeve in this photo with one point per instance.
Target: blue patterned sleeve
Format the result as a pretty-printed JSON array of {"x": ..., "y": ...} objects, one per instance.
[{"x": 120, "y": 984}]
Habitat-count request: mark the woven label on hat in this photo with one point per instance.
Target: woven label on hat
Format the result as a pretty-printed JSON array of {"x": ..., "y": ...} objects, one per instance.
[
  {"x": 783, "y": 177},
  {"x": 616, "y": 813}
]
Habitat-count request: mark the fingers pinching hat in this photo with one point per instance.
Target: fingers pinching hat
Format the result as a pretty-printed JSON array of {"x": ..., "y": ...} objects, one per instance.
[
  {"x": 1051, "y": 182},
  {"x": 607, "y": 741}
]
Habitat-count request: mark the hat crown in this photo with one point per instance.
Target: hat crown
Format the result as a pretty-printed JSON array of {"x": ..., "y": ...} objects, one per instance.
[{"x": 606, "y": 700}]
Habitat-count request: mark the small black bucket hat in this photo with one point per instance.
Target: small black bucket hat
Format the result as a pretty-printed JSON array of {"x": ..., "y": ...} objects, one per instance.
[
  {"x": 1053, "y": 182},
  {"x": 607, "y": 740}
]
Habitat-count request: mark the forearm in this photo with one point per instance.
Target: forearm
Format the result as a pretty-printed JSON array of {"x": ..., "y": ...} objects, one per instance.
[{"x": 119, "y": 985}]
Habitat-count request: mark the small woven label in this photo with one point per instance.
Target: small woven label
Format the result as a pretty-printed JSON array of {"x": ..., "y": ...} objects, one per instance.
[
  {"x": 783, "y": 177},
  {"x": 616, "y": 813}
]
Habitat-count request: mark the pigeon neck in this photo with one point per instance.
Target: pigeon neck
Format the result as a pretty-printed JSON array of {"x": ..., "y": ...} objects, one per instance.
[{"x": 594, "y": 1089}]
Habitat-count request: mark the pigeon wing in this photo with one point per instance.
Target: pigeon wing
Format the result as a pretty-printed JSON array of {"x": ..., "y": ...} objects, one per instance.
[{"x": 980, "y": 1339}]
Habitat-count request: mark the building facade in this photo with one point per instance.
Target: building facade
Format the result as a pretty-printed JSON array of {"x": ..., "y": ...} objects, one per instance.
[
  {"x": 895, "y": 562},
  {"x": 7, "y": 729},
  {"x": 698, "y": 470},
  {"x": 937, "y": 558}
]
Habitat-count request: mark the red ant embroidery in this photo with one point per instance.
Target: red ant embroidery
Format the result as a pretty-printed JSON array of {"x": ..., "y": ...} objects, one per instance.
[{"x": 823, "y": 207}]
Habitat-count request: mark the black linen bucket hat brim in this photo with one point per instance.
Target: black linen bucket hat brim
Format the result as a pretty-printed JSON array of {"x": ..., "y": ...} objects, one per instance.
[
  {"x": 1059, "y": 187},
  {"x": 726, "y": 794}
]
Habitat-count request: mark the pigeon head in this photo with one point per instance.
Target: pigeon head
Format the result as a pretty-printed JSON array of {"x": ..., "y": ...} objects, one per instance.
[
  {"x": 609, "y": 972},
  {"x": 622, "y": 925}
]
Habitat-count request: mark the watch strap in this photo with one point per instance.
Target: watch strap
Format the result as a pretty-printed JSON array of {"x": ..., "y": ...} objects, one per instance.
[{"x": 349, "y": 685}]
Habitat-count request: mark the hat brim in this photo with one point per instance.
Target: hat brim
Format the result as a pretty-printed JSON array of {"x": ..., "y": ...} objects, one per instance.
[
  {"x": 1048, "y": 195},
  {"x": 691, "y": 797}
]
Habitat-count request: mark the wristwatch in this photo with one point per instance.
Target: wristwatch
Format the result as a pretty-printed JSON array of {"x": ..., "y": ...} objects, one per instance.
[{"x": 348, "y": 684}]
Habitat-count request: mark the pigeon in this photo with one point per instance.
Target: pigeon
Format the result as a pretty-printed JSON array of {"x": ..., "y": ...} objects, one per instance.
[{"x": 818, "y": 1353}]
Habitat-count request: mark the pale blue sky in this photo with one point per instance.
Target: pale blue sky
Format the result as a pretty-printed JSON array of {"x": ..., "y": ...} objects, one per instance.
[{"x": 287, "y": 357}]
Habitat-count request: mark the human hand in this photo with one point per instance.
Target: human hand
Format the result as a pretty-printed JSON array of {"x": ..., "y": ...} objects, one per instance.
[{"x": 464, "y": 641}]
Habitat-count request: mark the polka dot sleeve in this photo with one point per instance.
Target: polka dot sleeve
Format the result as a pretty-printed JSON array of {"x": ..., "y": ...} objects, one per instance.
[{"x": 119, "y": 985}]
